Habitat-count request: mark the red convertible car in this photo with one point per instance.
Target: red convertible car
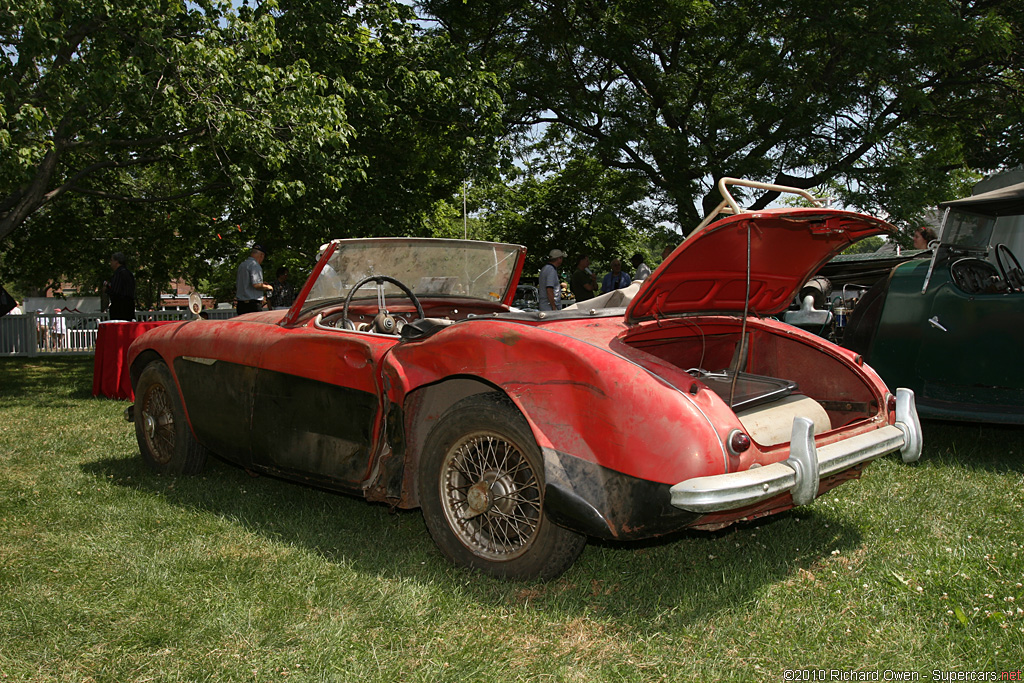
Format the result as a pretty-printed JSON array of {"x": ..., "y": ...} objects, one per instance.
[{"x": 402, "y": 375}]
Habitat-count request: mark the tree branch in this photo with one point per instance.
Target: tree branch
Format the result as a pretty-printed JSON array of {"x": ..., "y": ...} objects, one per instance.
[{"x": 150, "y": 200}]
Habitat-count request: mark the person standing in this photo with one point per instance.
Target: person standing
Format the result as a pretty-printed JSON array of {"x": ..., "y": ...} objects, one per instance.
[
  {"x": 249, "y": 284},
  {"x": 283, "y": 294},
  {"x": 643, "y": 271},
  {"x": 583, "y": 283},
  {"x": 616, "y": 279},
  {"x": 57, "y": 329},
  {"x": 120, "y": 289},
  {"x": 549, "y": 285}
]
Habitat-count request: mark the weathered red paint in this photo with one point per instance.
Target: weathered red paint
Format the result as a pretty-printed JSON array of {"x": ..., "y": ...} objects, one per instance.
[
  {"x": 708, "y": 272},
  {"x": 566, "y": 388},
  {"x": 611, "y": 392}
]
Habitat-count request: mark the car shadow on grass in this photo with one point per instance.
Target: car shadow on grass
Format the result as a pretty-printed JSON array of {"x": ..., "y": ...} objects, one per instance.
[
  {"x": 989, "y": 447},
  {"x": 692, "y": 575},
  {"x": 682, "y": 578}
]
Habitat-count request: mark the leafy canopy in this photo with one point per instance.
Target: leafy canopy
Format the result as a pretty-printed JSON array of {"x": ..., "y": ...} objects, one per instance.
[
  {"x": 94, "y": 91},
  {"x": 180, "y": 132},
  {"x": 872, "y": 96}
]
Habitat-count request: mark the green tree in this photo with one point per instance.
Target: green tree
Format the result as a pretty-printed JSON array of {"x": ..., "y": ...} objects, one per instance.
[
  {"x": 877, "y": 96},
  {"x": 865, "y": 246},
  {"x": 426, "y": 119},
  {"x": 179, "y": 133},
  {"x": 93, "y": 92},
  {"x": 557, "y": 199}
]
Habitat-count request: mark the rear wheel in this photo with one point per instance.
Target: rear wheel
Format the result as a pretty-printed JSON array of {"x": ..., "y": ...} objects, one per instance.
[
  {"x": 481, "y": 486},
  {"x": 163, "y": 433}
]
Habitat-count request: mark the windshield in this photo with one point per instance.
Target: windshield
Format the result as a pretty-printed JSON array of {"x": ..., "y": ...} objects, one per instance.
[
  {"x": 968, "y": 231},
  {"x": 429, "y": 267}
]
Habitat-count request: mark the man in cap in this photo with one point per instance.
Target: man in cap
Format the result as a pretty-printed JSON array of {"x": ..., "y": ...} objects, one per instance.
[
  {"x": 549, "y": 284},
  {"x": 249, "y": 284}
]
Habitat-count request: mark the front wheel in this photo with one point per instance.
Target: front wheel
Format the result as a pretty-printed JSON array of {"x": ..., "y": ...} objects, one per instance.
[
  {"x": 164, "y": 436},
  {"x": 481, "y": 487}
]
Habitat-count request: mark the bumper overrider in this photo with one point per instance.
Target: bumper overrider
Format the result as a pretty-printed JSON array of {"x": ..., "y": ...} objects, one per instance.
[{"x": 806, "y": 467}]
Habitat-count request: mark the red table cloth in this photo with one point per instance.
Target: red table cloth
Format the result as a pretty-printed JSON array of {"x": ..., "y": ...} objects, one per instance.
[{"x": 110, "y": 376}]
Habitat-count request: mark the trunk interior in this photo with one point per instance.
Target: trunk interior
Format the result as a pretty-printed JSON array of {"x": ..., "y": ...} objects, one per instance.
[{"x": 779, "y": 377}]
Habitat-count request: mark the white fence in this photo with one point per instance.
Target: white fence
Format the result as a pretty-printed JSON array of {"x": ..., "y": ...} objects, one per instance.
[{"x": 36, "y": 334}]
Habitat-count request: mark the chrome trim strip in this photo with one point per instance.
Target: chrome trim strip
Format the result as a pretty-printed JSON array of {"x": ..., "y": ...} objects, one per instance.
[{"x": 200, "y": 360}]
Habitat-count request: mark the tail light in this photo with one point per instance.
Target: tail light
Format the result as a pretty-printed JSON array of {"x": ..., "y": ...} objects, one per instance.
[{"x": 738, "y": 442}]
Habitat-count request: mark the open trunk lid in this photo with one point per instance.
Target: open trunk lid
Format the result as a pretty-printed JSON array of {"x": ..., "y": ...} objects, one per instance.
[{"x": 707, "y": 273}]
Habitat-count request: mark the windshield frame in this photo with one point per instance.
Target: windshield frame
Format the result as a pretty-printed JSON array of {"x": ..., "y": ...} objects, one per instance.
[{"x": 437, "y": 280}]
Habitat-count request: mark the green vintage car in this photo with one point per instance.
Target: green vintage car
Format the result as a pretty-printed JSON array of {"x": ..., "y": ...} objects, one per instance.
[{"x": 951, "y": 327}]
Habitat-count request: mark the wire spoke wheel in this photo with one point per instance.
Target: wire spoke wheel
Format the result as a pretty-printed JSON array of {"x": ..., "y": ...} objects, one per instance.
[
  {"x": 481, "y": 488},
  {"x": 491, "y": 496},
  {"x": 161, "y": 426},
  {"x": 158, "y": 422}
]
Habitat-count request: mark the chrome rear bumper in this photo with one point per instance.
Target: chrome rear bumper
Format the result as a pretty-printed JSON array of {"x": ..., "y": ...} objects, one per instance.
[{"x": 807, "y": 465}]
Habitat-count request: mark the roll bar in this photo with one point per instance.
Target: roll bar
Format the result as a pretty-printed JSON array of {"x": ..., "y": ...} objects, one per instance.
[{"x": 729, "y": 206}]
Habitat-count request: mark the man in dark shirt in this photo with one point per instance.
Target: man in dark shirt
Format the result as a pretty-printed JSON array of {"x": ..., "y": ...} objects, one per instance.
[
  {"x": 583, "y": 283},
  {"x": 120, "y": 289},
  {"x": 283, "y": 294}
]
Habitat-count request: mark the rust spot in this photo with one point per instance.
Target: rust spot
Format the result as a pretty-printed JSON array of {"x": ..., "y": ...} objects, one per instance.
[{"x": 510, "y": 337}]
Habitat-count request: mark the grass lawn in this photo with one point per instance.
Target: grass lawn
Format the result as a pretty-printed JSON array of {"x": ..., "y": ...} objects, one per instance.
[{"x": 111, "y": 573}]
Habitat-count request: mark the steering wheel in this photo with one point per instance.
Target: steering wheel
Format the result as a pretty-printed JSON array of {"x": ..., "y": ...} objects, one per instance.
[
  {"x": 1014, "y": 278},
  {"x": 383, "y": 322}
]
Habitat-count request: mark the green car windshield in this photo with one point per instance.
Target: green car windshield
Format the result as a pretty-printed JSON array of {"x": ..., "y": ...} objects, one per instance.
[
  {"x": 429, "y": 267},
  {"x": 968, "y": 231}
]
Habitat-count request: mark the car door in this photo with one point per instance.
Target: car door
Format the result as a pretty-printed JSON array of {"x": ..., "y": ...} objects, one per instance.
[
  {"x": 216, "y": 370},
  {"x": 969, "y": 348},
  {"x": 317, "y": 403}
]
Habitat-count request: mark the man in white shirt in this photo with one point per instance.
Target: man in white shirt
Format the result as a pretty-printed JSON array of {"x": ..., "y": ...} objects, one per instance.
[
  {"x": 549, "y": 283},
  {"x": 57, "y": 328},
  {"x": 642, "y": 270}
]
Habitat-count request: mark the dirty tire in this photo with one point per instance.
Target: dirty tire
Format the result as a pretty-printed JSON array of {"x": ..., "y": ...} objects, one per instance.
[
  {"x": 164, "y": 436},
  {"x": 481, "y": 488}
]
